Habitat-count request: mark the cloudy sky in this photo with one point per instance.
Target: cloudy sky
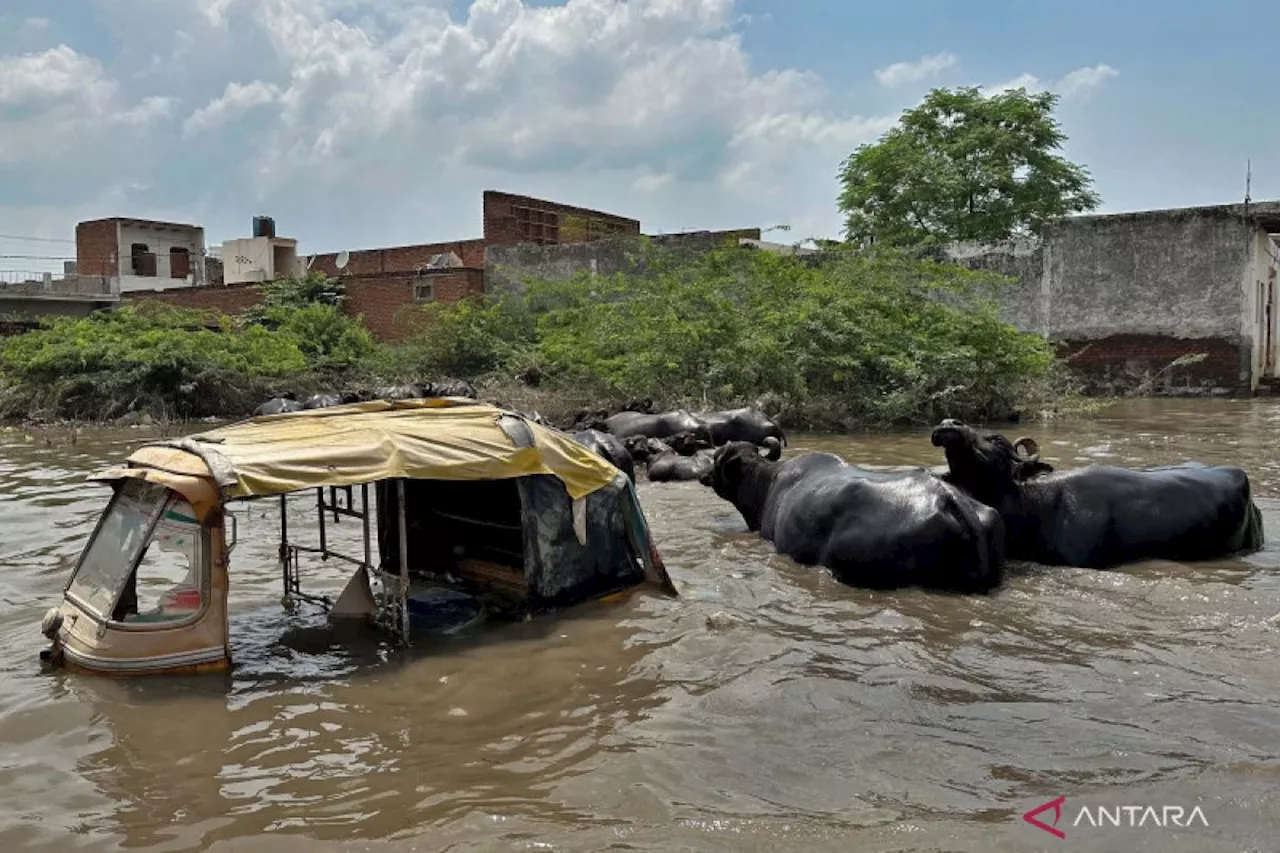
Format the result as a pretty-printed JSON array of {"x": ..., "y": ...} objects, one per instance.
[{"x": 359, "y": 123}]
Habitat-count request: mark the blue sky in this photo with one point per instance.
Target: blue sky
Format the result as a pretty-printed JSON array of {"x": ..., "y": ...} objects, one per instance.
[{"x": 358, "y": 123}]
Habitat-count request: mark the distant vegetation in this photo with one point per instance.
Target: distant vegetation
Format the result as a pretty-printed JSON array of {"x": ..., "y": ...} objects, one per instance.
[
  {"x": 866, "y": 338},
  {"x": 859, "y": 340}
]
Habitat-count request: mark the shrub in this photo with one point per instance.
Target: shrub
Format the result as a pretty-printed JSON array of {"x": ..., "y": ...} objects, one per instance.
[
  {"x": 869, "y": 339},
  {"x": 189, "y": 363}
]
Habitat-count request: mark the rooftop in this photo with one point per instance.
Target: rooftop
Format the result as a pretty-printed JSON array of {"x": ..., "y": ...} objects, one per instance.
[
  {"x": 149, "y": 223},
  {"x": 1265, "y": 213}
]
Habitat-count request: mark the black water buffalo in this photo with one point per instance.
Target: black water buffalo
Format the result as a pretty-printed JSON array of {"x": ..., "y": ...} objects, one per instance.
[
  {"x": 607, "y": 447},
  {"x": 278, "y": 406},
  {"x": 1101, "y": 516},
  {"x": 687, "y": 456},
  {"x": 643, "y": 448},
  {"x": 660, "y": 425},
  {"x": 871, "y": 529},
  {"x": 672, "y": 467},
  {"x": 746, "y": 424}
]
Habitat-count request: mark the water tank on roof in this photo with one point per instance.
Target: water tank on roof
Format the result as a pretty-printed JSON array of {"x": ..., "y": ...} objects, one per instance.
[{"x": 264, "y": 226}]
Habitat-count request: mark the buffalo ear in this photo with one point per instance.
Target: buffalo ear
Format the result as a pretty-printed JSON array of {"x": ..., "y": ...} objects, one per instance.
[{"x": 1028, "y": 470}]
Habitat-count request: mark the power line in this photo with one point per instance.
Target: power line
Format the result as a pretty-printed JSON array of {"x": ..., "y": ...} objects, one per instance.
[
  {"x": 35, "y": 239},
  {"x": 36, "y": 258}
]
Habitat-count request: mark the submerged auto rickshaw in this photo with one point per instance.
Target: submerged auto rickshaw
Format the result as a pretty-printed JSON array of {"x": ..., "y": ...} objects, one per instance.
[{"x": 471, "y": 500}]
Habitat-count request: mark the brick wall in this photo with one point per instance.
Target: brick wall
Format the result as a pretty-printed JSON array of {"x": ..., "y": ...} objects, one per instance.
[
  {"x": 1121, "y": 363},
  {"x": 388, "y": 305},
  {"x": 229, "y": 298},
  {"x": 96, "y": 248},
  {"x": 512, "y": 219},
  {"x": 400, "y": 258},
  {"x": 386, "y": 302}
]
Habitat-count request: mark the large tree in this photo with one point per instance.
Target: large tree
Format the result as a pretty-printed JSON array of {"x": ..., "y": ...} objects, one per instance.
[{"x": 964, "y": 166}]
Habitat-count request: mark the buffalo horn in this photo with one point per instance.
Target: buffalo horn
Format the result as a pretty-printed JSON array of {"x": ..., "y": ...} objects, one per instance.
[{"x": 1029, "y": 444}]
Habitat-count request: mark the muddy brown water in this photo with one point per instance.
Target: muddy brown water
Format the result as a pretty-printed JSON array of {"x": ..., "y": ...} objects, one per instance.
[{"x": 769, "y": 708}]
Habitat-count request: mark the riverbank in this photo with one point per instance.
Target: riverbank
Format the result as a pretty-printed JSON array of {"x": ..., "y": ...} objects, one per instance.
[{"x": 856, "y": 343}]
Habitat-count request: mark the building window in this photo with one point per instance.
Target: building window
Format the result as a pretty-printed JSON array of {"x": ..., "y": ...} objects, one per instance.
[
  {"x": 424, "y": 291},
  {"x": 144, "y": 260},
  {"x": 179, "y": 262}
]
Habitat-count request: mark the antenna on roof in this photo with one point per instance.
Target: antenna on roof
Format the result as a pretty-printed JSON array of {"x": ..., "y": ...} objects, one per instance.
[
  {"x": 1248, "y": 179},
  {"x": 344, "y": 258}
]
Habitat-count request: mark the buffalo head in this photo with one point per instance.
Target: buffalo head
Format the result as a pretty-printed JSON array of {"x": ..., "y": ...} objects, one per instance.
[
  {"x": 597, "y": 420},
  {"x": 734, "y": 461},
  {"x": 986, "y": 466},
  {"x": 688, "y": 443},
  {"x": 642, "y": 449}
]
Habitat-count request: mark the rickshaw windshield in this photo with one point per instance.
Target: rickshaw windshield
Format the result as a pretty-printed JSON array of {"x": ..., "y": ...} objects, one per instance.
[{"x": 107, "y": 562}]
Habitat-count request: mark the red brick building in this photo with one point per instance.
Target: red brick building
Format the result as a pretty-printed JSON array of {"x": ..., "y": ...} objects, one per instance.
[{"x": 385, "y": 285}]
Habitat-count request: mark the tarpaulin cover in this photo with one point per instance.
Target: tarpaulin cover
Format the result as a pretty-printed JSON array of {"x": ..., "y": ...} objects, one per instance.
[{"x": 434, "y": 439}]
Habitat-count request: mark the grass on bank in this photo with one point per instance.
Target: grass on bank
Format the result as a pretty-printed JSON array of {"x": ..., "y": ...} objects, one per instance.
[{"x": 857, "y": 341}]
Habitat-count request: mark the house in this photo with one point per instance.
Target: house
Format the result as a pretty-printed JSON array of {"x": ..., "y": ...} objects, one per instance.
[
  {"x": 141, "y": 254},
  {"x": 1175, "y": 301},
  {"x": 262, "y": 257},
  {"x": 387, "y": 285}
]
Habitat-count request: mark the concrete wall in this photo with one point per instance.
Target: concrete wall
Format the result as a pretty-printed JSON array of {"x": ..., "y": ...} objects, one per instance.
[
  {"x": 1123, "y": 296},
  {"x": 1260, "y": 286},
  {"x": 251, "y": 259},
  {"x": 16, "y": 307}
]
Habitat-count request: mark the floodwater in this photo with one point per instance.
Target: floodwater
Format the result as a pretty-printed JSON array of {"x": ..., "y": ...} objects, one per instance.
[{"x": 768, "y": 708}]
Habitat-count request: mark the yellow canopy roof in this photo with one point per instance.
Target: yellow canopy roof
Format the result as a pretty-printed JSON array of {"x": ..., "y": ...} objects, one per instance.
[{"x": 433, "y": 439}]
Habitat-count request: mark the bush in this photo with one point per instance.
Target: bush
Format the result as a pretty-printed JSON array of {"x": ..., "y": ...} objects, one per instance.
[
  {"x": 150, "y": 356},
  {"x": 325, "y": 336},
  {"x": 472, "y": 338},
  {"x": 868, "y": 339},
  {"x": 855, "y": 339}
]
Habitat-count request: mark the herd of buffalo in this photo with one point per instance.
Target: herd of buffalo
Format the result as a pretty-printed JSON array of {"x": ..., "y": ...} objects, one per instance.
[{"x": 947, "y": 528}]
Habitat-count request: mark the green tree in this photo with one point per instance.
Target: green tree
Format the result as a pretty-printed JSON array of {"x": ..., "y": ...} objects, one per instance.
[
  {"x": 963, "y": 166},
  {"x": 314, "y": 288}
]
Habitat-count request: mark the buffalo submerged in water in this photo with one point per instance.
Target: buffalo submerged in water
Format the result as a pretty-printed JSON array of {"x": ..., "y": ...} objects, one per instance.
[
  {"x": 609, "y": 448},
  {"x": 872, "y": 529},
  {"x": 1102, "y": 516}
]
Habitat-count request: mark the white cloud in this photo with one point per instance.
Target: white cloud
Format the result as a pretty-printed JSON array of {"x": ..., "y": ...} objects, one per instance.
[
  {"x": 1082, "y": 81},
  {"x": 376, "y": 122},
  {"x": 659, "y": 93},
  {"x": 901, "y": 73},
  {"x": 650, "y": 182},
  {"x": 235, "y": 100},
  {"x": 1075, "y": 84},
  {"x": 56, "y": 73},
  {"x": 59, "y": 101}
]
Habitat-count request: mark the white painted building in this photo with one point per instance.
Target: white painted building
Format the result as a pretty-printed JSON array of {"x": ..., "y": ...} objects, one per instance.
[
  {"x": 141, "y": 254},
  {"x": 259, "y": 259}
]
